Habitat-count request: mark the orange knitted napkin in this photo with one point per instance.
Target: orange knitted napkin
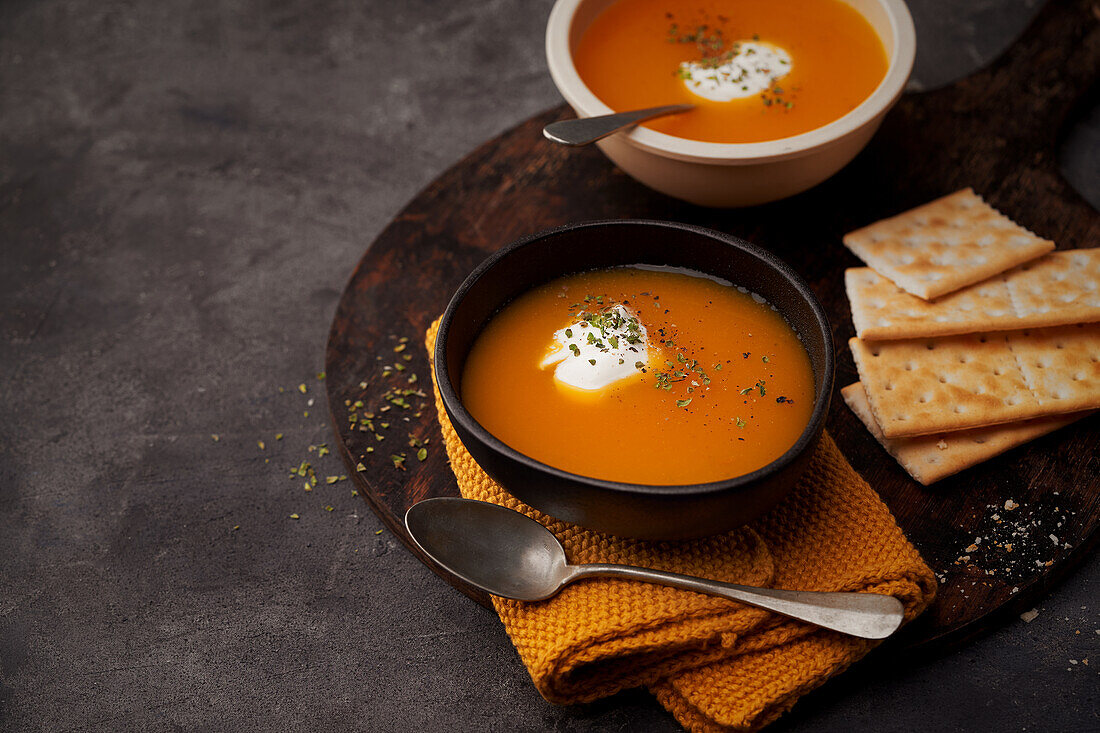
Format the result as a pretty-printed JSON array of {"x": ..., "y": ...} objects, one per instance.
[{"x": 714, "y": 664}]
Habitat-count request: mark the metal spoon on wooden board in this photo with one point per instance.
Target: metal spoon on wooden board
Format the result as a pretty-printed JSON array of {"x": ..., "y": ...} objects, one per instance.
[
  {"x": 511, "y": 555},
  {"x": 585, "y": 130}
]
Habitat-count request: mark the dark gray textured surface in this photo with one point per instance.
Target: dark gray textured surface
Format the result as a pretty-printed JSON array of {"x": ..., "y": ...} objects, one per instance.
[{"x": 184, "y": 187}]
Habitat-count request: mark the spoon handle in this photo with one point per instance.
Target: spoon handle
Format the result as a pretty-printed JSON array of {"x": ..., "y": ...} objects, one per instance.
[
  {"x": 866, "y": 615},
  {"x": 584, "y": 130}
]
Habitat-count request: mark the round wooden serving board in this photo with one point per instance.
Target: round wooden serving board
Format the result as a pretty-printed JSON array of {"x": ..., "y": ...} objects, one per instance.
[{"x": 996, "y": 131}]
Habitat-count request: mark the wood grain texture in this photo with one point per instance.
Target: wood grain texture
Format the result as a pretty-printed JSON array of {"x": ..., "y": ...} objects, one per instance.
[{"x": 996, "y": 131}]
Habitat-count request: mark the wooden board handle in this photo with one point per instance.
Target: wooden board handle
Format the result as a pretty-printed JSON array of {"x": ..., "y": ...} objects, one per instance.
[{"x": 1042, "y": 76}]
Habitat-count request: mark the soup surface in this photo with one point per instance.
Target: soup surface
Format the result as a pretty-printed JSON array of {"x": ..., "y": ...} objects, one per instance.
[
  {"x": 757, "y": 69},
  {"x": 641, "y": 375}
]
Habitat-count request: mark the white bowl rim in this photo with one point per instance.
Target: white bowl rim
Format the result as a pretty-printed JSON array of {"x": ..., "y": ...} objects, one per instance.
[{"x": 568, "y": 81}]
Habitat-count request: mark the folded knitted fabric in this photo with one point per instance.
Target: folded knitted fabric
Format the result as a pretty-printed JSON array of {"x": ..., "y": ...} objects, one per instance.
[{"x": 716, "y": 665}]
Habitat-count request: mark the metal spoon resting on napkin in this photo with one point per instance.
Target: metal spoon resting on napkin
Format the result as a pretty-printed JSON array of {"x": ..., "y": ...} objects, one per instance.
[{"x": 509, "y": 554}]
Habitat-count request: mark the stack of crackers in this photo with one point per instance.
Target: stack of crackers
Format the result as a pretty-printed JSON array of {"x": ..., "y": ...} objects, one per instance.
[{"x": 973, "y": 336}]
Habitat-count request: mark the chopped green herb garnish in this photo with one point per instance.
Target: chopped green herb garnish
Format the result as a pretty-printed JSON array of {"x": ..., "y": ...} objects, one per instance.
[{"x": 683, "y": 403}]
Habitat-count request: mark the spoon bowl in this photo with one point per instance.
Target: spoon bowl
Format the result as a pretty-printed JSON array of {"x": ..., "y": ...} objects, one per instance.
[
  {"x": 495, "y": 549},
  {"x": 511, "y": 555}
]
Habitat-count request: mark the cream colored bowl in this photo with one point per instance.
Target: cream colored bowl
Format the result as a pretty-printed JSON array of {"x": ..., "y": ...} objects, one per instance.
[{"x": 723, "y": 174}]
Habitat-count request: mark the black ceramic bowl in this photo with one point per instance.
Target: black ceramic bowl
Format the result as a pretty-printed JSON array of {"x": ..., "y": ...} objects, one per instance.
[{"x": 632, "y": 510}]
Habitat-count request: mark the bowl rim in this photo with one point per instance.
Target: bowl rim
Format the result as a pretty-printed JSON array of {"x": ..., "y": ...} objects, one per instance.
[
  {"x": 567, "y": 79},
  {"x": 458, "y": 412}
]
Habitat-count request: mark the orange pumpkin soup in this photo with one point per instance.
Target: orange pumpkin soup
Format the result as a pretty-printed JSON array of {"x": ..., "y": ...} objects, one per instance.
[
  {"x": 757, "y": 69},
  {"x": 642, "y": 375}
]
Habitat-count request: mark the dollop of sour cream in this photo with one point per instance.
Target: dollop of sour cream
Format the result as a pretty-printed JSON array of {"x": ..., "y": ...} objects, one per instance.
[
  {"x": 591, "y": 356},
  {"x": 754, "y": 67}
]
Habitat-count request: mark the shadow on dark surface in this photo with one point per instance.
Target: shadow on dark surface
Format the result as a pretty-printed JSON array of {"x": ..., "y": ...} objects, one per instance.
[{"x": 1079, "y": 149}]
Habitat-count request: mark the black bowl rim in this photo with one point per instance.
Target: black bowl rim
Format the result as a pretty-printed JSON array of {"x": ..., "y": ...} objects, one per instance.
[{"x": 459, "y": 413}]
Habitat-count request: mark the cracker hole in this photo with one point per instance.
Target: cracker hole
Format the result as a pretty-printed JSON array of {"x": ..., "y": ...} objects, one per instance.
[
  {"x": 1059, "y": 345},
  {"x": 889, "y": 387},
  {"x": 909, "y": 367},
  {"x": 979, "y": 441},
  {"x": 943, "y": 380},
  {"x": 982, "y": 339},
  {"x": 957, "y": 409},
  {"x": 930, "y": 346}
]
